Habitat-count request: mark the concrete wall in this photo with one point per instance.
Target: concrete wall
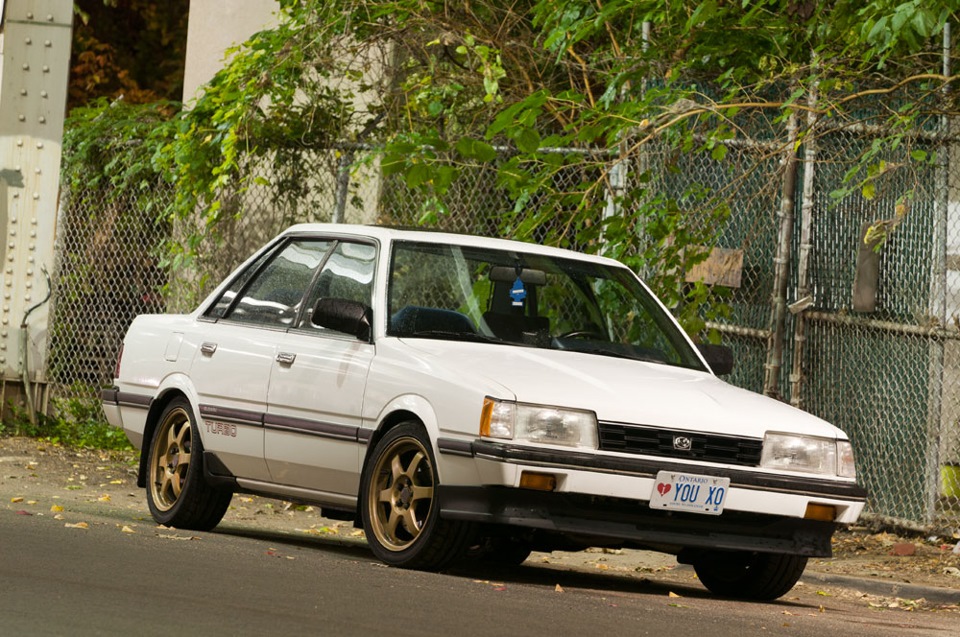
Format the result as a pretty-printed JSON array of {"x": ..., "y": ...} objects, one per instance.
[{"x": 214, "y": 27}]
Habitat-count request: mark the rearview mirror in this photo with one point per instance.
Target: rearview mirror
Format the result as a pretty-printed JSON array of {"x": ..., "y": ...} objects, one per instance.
[
  {"x": 509, "y": 275},
  {"x": 342, "y": 315},
  {"x": 719, "y": 358}
]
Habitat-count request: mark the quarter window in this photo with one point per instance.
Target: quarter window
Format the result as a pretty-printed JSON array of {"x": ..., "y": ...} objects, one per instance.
[{"x": 273, "y": 298}]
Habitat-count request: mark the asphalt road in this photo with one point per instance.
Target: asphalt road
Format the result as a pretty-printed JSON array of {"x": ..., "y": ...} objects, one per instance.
[{"x": 59, "y": 579}]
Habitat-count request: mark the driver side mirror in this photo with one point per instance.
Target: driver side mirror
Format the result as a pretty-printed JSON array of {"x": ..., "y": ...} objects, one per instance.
[
  {"x": 342, "y": 315},
  {"x": 719, "y": 358}
]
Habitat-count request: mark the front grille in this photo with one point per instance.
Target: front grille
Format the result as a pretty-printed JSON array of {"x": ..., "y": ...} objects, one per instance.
[{"x": 653, "y": 441}]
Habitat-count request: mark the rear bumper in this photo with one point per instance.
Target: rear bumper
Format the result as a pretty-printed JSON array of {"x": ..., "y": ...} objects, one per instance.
[
  {"x": 633, "y": 523},
  {"x": 126, "y": 411}
]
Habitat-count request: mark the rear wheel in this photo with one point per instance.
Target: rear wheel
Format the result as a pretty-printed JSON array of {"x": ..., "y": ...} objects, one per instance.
[
  {"x": 177, "y": 493},
  {"x": 744, "y": 575},
  {"x": 400, "y": 513}
]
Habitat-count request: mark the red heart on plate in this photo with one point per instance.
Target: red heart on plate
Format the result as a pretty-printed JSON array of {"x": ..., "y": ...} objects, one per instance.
[{"x": 663, "y": 488}]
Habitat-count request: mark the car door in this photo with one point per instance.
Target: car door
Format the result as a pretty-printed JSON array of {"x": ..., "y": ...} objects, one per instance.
[
  {"x": 239, "y": 342},
  {"x": 317, "y": 384}
]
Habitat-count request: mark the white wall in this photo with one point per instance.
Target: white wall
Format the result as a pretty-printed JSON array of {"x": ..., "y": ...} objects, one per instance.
[{"x": 215, "y": 26}]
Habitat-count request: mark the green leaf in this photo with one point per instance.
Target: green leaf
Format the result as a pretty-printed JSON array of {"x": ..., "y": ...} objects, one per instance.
[
  {"x": 418, "y": 175},
  {"x": 527, "y": 140},
  {"x": 475, "y": 149},
  {"x": 869, "y": 190},
  {"x": 919, "y": 155}
]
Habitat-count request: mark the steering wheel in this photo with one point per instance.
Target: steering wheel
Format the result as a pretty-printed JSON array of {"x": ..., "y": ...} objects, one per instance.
[{"x": 584, "y": 333}]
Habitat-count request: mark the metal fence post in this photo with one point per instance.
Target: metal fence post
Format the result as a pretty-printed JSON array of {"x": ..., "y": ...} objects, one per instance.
[
  {"x": 778, "y": 315},
  {"x": 804, "y": 295}
]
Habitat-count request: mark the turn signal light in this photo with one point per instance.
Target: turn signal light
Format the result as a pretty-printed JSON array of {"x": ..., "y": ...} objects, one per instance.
[
  {"x": 538, "y": 481},
  {"x": 823, "y": 512}
]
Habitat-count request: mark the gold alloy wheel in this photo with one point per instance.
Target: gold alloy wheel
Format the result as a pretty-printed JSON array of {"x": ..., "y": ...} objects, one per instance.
[
  {"x": 170, "y": 459},
  {"x": 400, "y": 494}
]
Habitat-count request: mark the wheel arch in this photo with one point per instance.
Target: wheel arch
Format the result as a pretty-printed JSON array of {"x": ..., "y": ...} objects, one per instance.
[
  {"x": 172, "y": 388},
  {"x": 404, "y": 409}
]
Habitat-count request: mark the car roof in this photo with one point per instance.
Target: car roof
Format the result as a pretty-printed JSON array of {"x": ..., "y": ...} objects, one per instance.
[{"x": 387, "y": 234}]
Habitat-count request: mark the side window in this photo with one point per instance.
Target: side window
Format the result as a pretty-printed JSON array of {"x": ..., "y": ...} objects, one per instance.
[
  {"x": 273, "y": 297},
  {"x": 347, "y": 274},
  {"x": 218, "y": 309}
]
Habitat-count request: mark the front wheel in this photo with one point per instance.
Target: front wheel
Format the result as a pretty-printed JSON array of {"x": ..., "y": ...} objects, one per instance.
[
  {"x": 177, "y": 493},
  {"x": 398, "y": 505},
  {"x": 744, "y": 575}
]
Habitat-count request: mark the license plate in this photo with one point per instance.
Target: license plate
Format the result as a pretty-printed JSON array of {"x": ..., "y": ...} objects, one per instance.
[{"x": 689, "y": 492}]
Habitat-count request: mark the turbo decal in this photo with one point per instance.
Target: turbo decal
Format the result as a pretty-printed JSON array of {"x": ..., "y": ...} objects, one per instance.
[{"x": 221, "y": 428}]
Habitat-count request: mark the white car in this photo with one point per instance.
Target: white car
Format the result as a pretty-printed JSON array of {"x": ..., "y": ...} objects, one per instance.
[{"x": 458, "y": 394}]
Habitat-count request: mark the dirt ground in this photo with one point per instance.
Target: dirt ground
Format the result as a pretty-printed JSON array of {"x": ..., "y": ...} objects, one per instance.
[{"x": 40, "y": 478}]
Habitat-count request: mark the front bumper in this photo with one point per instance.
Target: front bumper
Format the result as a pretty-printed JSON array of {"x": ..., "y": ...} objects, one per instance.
[
  {"x": 633, "y": 523},
  {"x": 608, "y": 495}
]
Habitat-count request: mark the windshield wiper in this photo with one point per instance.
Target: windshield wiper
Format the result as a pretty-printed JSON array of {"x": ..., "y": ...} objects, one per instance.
[
  {"x": 619, "y": 353},
  {"x": 449, "y": 335}
]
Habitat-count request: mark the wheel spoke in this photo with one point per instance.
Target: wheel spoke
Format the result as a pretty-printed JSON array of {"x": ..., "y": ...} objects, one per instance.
[
  {"x": 176, "y": 483},
  {"x": 414, "y": 465},
  {"x": 411, "y": 523},
  {"x": 393, "y": 520},
  {"x": 171, "y": 438},
  {"x": 386, "y": 495},
  {"x": 164, "y": 485},
  {"x": 183, "y": 442},
  {"x": 396, "y": 469},
  {"x": 421, "y": 493}
]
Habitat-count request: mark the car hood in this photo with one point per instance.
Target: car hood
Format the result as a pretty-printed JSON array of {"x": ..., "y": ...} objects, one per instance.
[{"x": 617, "y": 390}]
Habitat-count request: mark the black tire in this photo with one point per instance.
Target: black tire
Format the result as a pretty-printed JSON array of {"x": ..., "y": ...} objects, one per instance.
[
  {"x": 398, "y": 507},
  {"x": 177, "y": 493},
  {"x": 753, "y": 576}
]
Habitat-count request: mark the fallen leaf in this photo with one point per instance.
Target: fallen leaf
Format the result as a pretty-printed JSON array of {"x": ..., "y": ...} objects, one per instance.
[
  {"x": 116, "y": 482},
  {"x": 904, "y": 549},
  {"x": 56, "y": 508},
  {"x": 78, "y": 525},
  {"x": 104, "y": 498},
  {"x": 672, "y": 594},
  {"x": 31, "y": 501},
  {"x": 558, "y": 588},
  {"x": 58, "y": 517},
  {"x": 16, "y": 499},
  {"x": 22, "y": 512},
  {"x": 127, "y": 529}
]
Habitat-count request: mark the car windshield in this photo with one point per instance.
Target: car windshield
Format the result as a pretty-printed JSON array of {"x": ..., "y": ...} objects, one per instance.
[{"x": 452, "y": 292}]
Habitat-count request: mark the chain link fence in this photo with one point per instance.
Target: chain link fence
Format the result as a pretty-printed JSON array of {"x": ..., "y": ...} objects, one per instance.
[{"x": 888, "y": 373}]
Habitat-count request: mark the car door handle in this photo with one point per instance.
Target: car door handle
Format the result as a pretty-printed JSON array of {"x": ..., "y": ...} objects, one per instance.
[
  {"x": 207, "y": 349},
  {"x": 286, "y": 358}
]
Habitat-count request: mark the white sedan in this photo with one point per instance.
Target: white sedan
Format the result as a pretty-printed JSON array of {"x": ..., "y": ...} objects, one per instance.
[{"x": 460, "y": 395}]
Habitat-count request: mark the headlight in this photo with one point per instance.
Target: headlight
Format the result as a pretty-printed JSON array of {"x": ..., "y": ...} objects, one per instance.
[
  {"x": 825, "y": 456},
  {"x": 544, "y": 424}
]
